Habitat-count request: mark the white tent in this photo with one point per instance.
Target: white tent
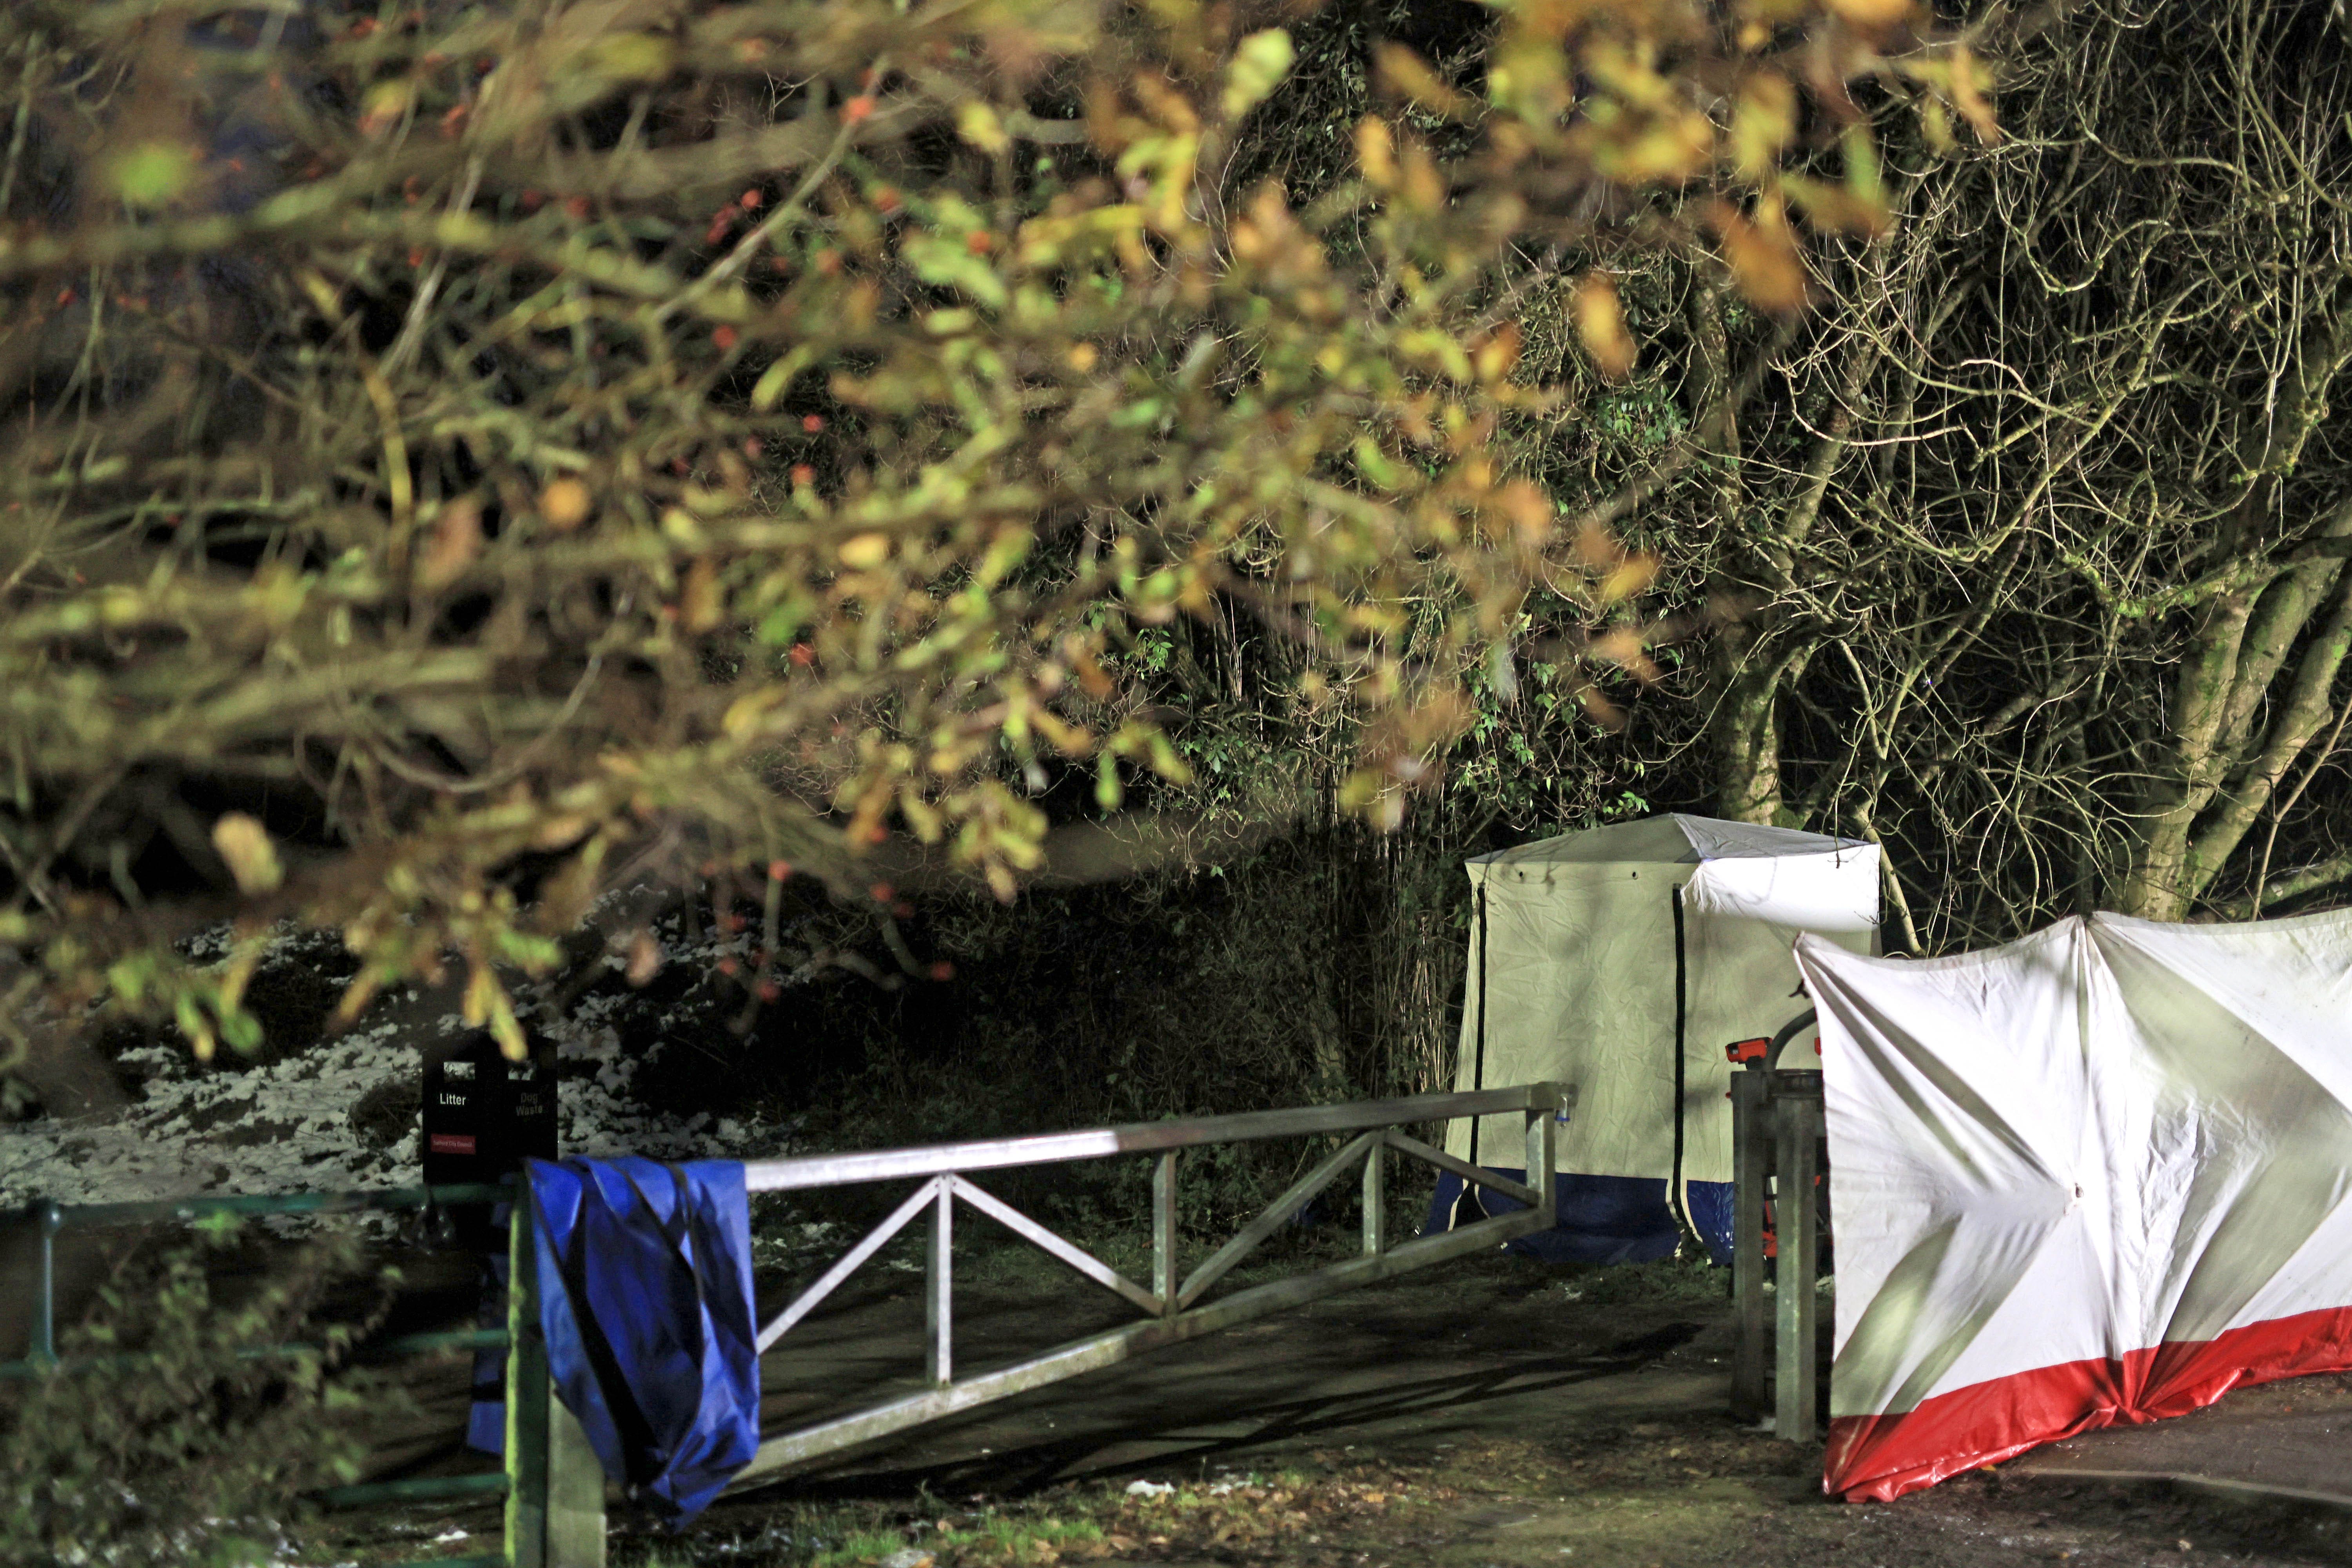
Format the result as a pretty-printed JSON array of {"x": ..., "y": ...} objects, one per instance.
[
  {"x": 1621, "y": 960},
  {"x": 2103, "y": 1174}
]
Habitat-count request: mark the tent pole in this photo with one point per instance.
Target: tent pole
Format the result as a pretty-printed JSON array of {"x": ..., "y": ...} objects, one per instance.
[{"x": 1674, "y": 1204}]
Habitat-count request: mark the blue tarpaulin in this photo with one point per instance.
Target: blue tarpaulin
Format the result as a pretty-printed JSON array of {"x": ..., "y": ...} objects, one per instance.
[
  {"x": 1601, "y": 1219},
  {"x": 645, "y": 1292}
]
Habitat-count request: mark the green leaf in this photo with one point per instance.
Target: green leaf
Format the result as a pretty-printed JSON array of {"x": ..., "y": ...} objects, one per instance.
[
  {"x": 945, "y": 260},
  {"x": 242, "y": 1030},
  {"x": 153, "y": 173},
  {"x": 778, "y": 377}
]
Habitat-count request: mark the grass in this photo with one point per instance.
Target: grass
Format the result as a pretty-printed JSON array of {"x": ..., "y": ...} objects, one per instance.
[
  {"x": 1687, "y": 1279},
  {"x": 1237, "y": 1516}
]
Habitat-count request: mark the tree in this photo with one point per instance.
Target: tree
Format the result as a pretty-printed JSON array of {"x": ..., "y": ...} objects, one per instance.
[
  {"x": 2073, "y": 634},
  {"x": 462, "y": 457}
]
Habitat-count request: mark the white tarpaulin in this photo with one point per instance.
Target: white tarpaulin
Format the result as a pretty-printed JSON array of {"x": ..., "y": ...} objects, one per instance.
[
  {"x": 1573, "y": 977},
  {"x": 2100, "y": 1176}
]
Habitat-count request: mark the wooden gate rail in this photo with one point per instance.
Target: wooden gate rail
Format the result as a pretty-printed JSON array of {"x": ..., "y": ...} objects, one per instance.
[{"x": 555, "y": 1517}]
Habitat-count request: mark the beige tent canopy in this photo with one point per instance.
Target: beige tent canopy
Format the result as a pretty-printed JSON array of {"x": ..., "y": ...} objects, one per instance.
[{"x": 1621, "y": 960}]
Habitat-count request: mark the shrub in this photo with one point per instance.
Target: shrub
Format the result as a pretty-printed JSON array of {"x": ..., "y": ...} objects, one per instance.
[{"x": 181, "y": 1425}]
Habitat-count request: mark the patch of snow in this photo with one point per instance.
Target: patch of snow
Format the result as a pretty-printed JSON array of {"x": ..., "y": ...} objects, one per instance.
[
  {"x": 276, "y": 1129},
  {"x": 286, "y": 1127}
]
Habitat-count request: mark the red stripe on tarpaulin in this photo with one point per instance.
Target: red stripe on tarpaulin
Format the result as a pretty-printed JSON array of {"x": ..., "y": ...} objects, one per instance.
[{"x": 1880, "y": 1457}]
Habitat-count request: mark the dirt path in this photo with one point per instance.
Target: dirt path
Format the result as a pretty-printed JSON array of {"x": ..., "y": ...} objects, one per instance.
[{"x": 1470, "y": 1416}]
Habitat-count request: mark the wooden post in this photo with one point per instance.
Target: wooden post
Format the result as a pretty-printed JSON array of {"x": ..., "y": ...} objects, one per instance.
[
  {"x": 1164, "y": 1232},
  {"x": 1751, "y": 1159},
  {"x": 1542, "y": 1135},
  {"x": 1794, "y": 1394},
  {"x": 1376, "y": 1198},
  {"x": 555, "y": 1484}
]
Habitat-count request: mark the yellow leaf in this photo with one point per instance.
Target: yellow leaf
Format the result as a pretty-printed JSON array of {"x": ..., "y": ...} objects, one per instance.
[
  {"x": 1875, "y": 15},
  {"x": 1600, "y": 323},
  {"x": 629, "y": 56},
  {"x": 1530, "y": 510},
  {"x": 1409, "y": 76},
  {"x": 244, "y": 844},
  {"x": 977, "y": 123},
  {"x": 474, "y": 1007},
  {"x": 1495, "y": 356},
  {"x": 864, "y": 552},
  {"x": 1669, "y": 146},
  {"x": 1623, "y": 648},
  {"x": 1376, "y": 153},
  {"x": 505, "y": 1027},
  {"x": 557, "y": 832},
  {"x": 456, "y": 540},
  {"x": 1969, "y": 81},
  {"x": 645, "y": 958},
  {"x": 384, "y": 104},
  {"x": 1763, "y": 123},
  {"x": 698, "y": 608},
  {"x": 1424, "y": 186},
  {"x": 1837, "y": 208},
  {"x": 1260, "y": 62},
  {"x": 1632, "y": 575},
  {"x": 1762, "y": 256},
  {"x": 565, "y": 505}
]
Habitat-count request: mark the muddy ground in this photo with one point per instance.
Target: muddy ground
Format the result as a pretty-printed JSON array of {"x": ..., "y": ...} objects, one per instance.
[{"x": 1489, "y": 1412}]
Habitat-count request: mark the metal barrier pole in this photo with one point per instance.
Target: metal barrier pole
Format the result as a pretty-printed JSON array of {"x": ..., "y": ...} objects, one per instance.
[
  {"x": 555, "y": 1490},
  {"x": 44, "y": 1353},
  {"x": 1376, "y": 1200},
  {"x": 1794, "y": 1416}
]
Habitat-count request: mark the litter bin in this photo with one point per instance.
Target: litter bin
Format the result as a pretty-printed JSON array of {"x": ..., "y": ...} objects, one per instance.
[{"x": 483, "y": 1116}]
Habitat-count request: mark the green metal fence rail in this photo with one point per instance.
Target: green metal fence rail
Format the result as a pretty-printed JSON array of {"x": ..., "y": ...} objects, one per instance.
[{"x": 50, "y": 1218}]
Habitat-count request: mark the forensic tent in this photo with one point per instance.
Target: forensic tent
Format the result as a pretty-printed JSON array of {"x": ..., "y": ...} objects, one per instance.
[
  {"x": 1621, "y": 962},
  {"x": 2100, "y": 1176}
]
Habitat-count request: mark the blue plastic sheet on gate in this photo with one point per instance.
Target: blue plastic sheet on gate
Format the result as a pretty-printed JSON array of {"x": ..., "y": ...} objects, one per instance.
[
  {"x": 1601, "y": 1219},
  {"x": 644, "y": 1273}
]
